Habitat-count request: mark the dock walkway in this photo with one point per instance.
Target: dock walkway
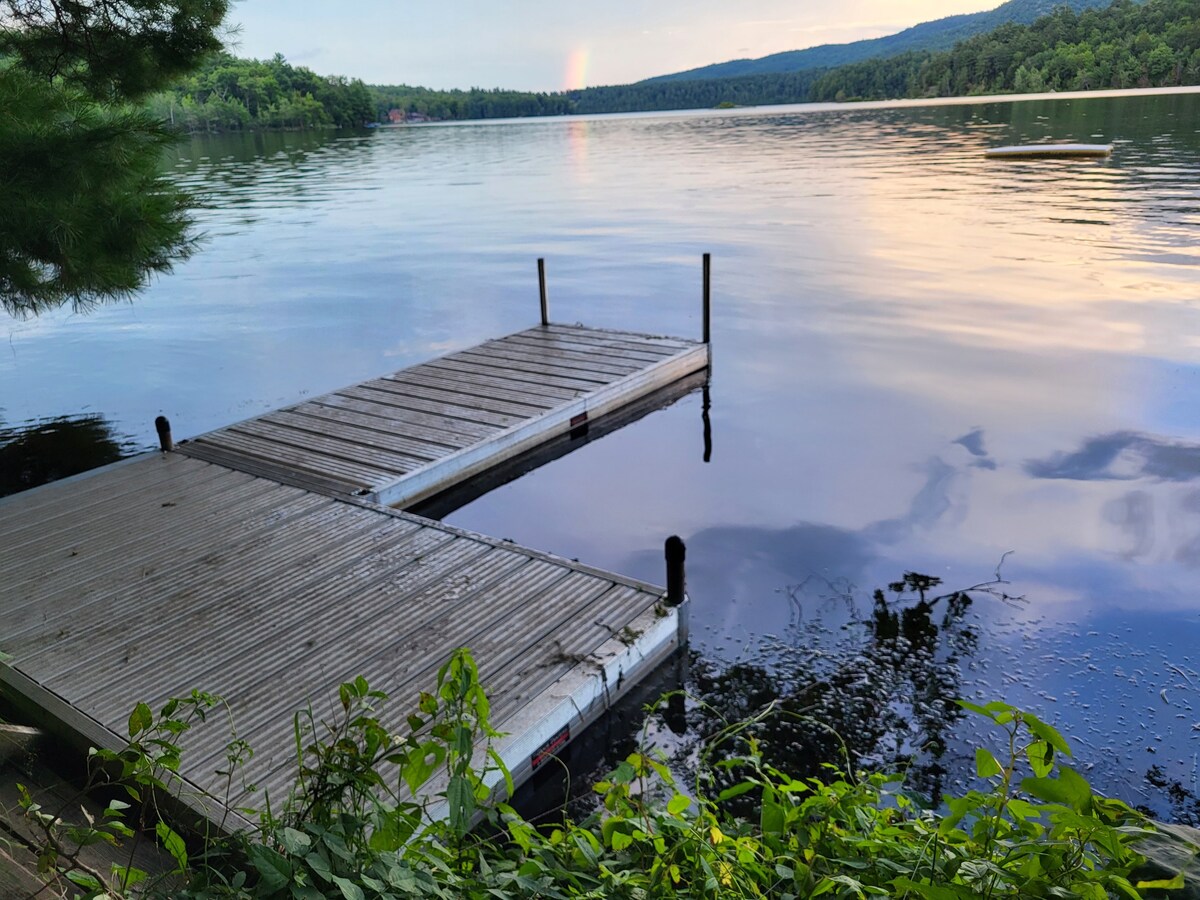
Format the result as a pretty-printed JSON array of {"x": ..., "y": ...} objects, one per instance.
[
  {"x": 402, "y": 438},
  {"x": 264, "y": 563}
]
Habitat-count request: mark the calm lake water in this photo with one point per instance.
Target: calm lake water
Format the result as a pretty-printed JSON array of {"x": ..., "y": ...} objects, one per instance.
[{"x": 924, "y": 361}]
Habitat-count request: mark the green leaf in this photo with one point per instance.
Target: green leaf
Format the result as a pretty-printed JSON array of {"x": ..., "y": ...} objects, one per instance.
[
  {"x": 933, "y": 891},
  {"x": 1162, "y": 884},
  {"x": 678, "y": 804},
  {"x": 295, "y": 842},
  {"x": 392, "y": 830},
  {"x": 319, "y": 864},
  {"x": 140, "y": 719},
  {"x": 274, "y": 871},
  {"x": 773, "y": 815},
  {"x": 623, "y": 774},
  {"x": 1069, "y": 788},
  {"x": 986, "y": 765},
  {"x": 127, "y": 877},
  {"x": 736, "y": 791},
  {"x": 461, "y": 799},
  {"x": 84, "y": 880},
  {"x": 1046, "y": 733},
  {"x": 1041, "y": 758},
  {"x": 350, "y": 890},
  {"x": 173, "y": 844}
]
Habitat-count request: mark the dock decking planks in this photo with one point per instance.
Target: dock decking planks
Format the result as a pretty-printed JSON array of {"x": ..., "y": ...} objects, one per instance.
[
  {"x": 403, "y": 437},
  {"x": 273, "y": 603},
  {"x": 246, "y": 565}
]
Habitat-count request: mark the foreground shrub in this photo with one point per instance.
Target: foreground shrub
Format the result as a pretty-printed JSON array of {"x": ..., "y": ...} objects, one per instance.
[{"x": 377, "y": 815}]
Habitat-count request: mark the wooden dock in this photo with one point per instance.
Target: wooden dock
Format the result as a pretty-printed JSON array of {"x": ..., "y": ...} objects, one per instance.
[
  {"x": 402, "y": 438},
  {"x": 264, "y": 562}
]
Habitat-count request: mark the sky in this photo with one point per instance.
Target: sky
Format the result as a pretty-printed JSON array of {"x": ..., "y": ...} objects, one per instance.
[{"x": 553, "y": 45}]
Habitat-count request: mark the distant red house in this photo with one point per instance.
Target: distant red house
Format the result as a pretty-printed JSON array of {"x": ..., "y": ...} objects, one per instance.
[{"x": 396, "y": 116}]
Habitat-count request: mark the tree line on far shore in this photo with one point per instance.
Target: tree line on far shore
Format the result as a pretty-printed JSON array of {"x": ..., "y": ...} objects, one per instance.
[{"x": 1126, "y": 45}]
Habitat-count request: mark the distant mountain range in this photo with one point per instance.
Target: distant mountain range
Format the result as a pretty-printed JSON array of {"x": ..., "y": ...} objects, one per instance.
[{"x": 941, "y": 34}]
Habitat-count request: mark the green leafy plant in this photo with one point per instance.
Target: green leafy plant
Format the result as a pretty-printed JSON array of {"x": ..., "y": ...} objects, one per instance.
[
  {"x": 377, "y": 815},
  {"x": 130, "y": 782}
]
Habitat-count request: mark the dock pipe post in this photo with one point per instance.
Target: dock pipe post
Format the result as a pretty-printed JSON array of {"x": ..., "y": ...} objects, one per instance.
[
  {"x": 707, "y": 298},
  {"x": 675, "y": 553},
  {"x": 542, "y": 291},
  {"x": 163, "y": 426}
]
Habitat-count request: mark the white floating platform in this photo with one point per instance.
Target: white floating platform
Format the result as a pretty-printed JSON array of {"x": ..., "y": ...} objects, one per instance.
[{"x": 1050, "y": 151}]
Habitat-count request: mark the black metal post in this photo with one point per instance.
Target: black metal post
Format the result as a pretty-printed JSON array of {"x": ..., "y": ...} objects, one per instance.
[
  {"x": 542, "y": 291},
  {"x": 675, "y": 553},
  {"x": 707, "y": 298},
  {"x": 163, "y": 426}
]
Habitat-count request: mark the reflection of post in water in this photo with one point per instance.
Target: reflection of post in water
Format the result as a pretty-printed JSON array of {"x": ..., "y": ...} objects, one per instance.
[{"x": 705, "y": 406}]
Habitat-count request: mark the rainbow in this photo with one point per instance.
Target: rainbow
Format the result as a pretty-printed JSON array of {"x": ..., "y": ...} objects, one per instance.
[{"x": 576, "y": 75}]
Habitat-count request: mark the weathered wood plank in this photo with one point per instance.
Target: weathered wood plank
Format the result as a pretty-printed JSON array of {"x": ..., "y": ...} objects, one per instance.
[
  {"x": 221, "y": 571},
  {"x": 601, "y": 341},
  {"x": 397, "y": 429},
  {"x": 527, "y": 373},
  {"x": 300, "y": 615},
  {"x": 65, "y": 596},
  {"x": 425, "y": 482},
  {"x": 25, "y": 542},
  {"x": 311, "y": 481},
  {"x": 269, "y": 452},
  {"x": 316, "y": 420},
  {"x": 433, "y": 389},
  {"x": 214, "y": 577},
  {"x": 18, "y": 872},
  {"x": 612, "y": 352},
  {"x": 59, "y": 797},
  {"x": 337, "y": 446},
  {"x": 566, "y": 641},
  {"x": 488, "y": 386},
  {"x": 516, "y": 375},
  {"x": 115, "y": 543},
  {"x": 387, "y": 664},
  {"x": 437, "y": 408},
  {"x": 587, "y": 364},
  {"x": 83, "y": 492},
  {"x": 448, "y": 580},
  {"x": 669, "y": 343}
]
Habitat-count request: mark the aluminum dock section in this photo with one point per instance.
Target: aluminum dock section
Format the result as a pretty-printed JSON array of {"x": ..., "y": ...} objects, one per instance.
[
  {"x": 266, "y": 562},
  {"x": 163, "y": 574},
  {"x": 405, "y": 437}
]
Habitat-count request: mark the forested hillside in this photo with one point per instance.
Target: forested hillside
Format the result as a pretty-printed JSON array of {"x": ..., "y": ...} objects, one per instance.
[
  {"x": 477, "y": 103},
  {"x": 229, "y": 94},
  {"x": 1123, "y": 46},
  {"x": 941, "y": 34}
]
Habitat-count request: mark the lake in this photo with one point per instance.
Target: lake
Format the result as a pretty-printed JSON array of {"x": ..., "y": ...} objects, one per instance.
[{"x": 923, "y": 361}]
